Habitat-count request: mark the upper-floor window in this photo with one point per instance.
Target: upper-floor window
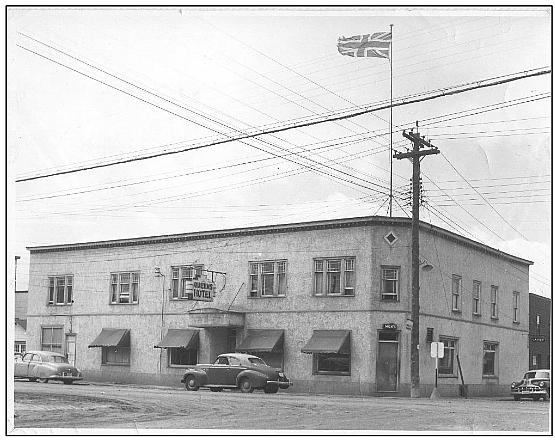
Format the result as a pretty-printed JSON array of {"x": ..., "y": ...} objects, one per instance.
[
  {"x": 60, "y": 290},
  {"x": 456, "y": 286},
  {"x": 334, "y": 276},
  {"x": 124, "y": 287},
  {"x": 494, "y": 307},
  {"x": 516, "y": 306},
  {"x": 267, "y": 278},
  {"x": 476, "y": 296},
  {"x": 180, "y": 276},
  {"x": 390, "y": 283}
]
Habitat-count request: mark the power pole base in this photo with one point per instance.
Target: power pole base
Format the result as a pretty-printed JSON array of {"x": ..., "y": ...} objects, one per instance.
[
  {"x": 435, "y": 394},
  {"x": 415, "y": 392}
]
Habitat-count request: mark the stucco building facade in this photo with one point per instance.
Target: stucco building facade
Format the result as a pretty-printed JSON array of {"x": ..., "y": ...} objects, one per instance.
[{"x": 328, "y": 301}]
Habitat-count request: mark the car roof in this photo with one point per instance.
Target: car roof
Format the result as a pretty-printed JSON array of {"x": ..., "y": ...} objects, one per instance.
[
  {"x": 46, "y": 353},
  {"x": 237, "y": 355}
]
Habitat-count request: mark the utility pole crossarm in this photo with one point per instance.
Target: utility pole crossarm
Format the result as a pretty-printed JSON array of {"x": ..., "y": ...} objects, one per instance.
[{"x": 400, "y": 155}]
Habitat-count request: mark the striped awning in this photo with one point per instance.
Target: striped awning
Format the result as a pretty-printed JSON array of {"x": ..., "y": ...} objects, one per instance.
[
  {"x": 109, "y": 337},
  {"x": 336, "y": 341},
  {"x": 262, "y": 340},
  {"x": 180, "y": 338}
]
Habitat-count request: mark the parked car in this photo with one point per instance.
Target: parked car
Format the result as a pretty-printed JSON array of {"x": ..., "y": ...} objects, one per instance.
[
  {"x": 236, "y": 370},
  {"x": 44, "y": 366},
  {"x": 535, "y": 384}
]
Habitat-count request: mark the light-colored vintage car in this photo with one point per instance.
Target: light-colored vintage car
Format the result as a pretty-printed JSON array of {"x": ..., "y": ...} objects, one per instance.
[
  {"x": 236, "y": 370},
  {"x": 44, "y": 366},
  {"x": 535, "y": 384}
]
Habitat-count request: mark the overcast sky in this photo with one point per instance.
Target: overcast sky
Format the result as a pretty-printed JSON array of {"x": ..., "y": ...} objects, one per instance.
[{"x": 87, "y": 86}]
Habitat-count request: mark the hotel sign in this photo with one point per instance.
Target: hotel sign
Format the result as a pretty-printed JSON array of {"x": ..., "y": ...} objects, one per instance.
[
  {"x": 389, "y": 326},
  {"x": 200, "y": 289}
]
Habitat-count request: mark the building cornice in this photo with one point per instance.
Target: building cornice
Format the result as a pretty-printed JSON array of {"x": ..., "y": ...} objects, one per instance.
[{"x": 284, "y": 228}]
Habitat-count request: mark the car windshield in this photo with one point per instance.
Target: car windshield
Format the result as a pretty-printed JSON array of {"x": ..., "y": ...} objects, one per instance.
[
  {"x": 257, "y": 361},
  {"x": 57, "y": 359},
  {"x": 536, "y": 374}
]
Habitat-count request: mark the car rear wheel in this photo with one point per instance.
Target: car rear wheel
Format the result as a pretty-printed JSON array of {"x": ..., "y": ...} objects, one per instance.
[
  {"x": 245, "y": 385},
  {"x": 191, "y": 383},
  {"x": 43, "y": 380},
  {"x": 536, "y": 398},
  {"x": 271, "y": 389},
  {"x": 32, "y": 379},
  {"x": 546, "y": 397},
  {"x": 68, "y": 382},
  {"x": 517, "y": 397},
  {"x": 216, "y": 389}
]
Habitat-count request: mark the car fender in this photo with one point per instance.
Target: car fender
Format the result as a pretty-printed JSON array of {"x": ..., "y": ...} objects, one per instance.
[
  {"x": 200, "y": 374},
  {"x": 42, "y": 370},
  {"x": 258, "y": 379}
]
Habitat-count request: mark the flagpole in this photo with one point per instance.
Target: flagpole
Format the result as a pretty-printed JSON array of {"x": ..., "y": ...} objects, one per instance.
[{"x": 391, "y": 123}]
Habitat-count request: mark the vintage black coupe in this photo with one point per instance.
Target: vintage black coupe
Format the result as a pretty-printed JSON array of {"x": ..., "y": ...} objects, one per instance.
[
  {"x": 535, "y": 384},
  {"x": 231, "y": 371}
]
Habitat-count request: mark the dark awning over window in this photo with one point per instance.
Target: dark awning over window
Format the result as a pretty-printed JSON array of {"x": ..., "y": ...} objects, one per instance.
[
  {"x": 328, "y": 342},
  {"x": 112, "y": 337},
  {"x": 180, "y": 338},
  {"x": 262, "y": 340}
]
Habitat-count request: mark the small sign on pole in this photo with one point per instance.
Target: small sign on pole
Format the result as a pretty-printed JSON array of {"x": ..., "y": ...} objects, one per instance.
[
  {"x": 437, "y": 352},
  {"x": 437, "y": 349}
]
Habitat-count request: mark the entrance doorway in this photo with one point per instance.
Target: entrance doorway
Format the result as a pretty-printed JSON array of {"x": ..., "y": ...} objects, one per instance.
[
  {"x": 387, "y": 365},
  {"x": 70, "y": 348}
]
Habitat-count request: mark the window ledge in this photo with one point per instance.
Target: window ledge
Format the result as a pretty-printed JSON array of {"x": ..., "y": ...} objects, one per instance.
[
  {"x": 340, "y": 374},
  {"x": 115, "y": 364},
  {"x": 516, "y": 322},
  {"x": 265, "y": 296},
  {"x": 475, "y": 314},
  {"x": 124, "y": 304},
  {"x": 332, "y": 295},
  {"x": 447, "y": 376},
  {"x": 494, "y": 318},
  {"x": 456, "y": 311},
  {"x": 490, "y": 377},
  {"x": 389, "y": 300}
]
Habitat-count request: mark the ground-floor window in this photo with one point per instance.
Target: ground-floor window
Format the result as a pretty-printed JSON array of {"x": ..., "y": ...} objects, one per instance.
[
  {"x": 52, "y": 338},
  {"x": 446, "y": 364},
  {"x": 182, "y": 356},
  {"x": 490, "y": 358},
  {"x": 20, "y": 347},
  {"x": 334, "y": 364},
  {"x": 112, "y": 355},
  {"x": 273, "y": 359}
]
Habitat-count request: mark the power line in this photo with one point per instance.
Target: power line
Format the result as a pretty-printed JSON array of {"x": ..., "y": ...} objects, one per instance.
[{"x": 477, "y": 85}]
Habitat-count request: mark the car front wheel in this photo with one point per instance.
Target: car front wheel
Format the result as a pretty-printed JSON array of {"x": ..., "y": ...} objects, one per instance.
[
  {"x": 246, "y": 386},
  {"x": 68, "y": 382},
  {"x": 191, "y": 383},
  {"x": 43, "y": 380},
  {"x": 517, "y": 397}
]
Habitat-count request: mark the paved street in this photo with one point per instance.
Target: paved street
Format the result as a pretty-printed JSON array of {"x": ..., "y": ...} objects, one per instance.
[{"x": 124, "y": 406}]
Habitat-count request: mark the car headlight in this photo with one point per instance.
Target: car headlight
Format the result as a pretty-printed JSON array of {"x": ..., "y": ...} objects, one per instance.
[
  {"x": 281, "y": 374},
  {"x": 542, "y": 384},
  {"x": 513, "y": 384}
]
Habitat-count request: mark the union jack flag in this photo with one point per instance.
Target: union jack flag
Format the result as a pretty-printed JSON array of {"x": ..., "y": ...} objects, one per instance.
[{"x": 367, "y": 45}]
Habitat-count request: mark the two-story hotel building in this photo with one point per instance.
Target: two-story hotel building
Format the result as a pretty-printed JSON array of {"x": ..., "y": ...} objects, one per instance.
[{"x": 329, "y": 301}]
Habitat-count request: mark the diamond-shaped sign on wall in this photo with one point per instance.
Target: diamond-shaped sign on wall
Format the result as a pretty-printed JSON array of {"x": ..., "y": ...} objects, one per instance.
[{"x": 391, "y": 238}]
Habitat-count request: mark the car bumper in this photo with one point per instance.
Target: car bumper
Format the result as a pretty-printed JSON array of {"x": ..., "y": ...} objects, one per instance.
[
  {"x": 63, "y": 377},
  {"x": 528, "y": 390},
  {"x": 282, "y": 384}
]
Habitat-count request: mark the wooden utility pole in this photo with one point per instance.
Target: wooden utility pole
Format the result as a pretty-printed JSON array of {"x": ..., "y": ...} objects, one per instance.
[{"x": 415, "y": 154}]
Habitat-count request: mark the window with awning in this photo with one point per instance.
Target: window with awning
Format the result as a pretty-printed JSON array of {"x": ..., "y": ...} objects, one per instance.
[
  {"x": 337, "y": 341},
  {"x": 331, "y": 350},
  {"x": 182, "y": 346},
  {"x": 262, "y": 340},
  {"x": 116, "y": 346}
]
